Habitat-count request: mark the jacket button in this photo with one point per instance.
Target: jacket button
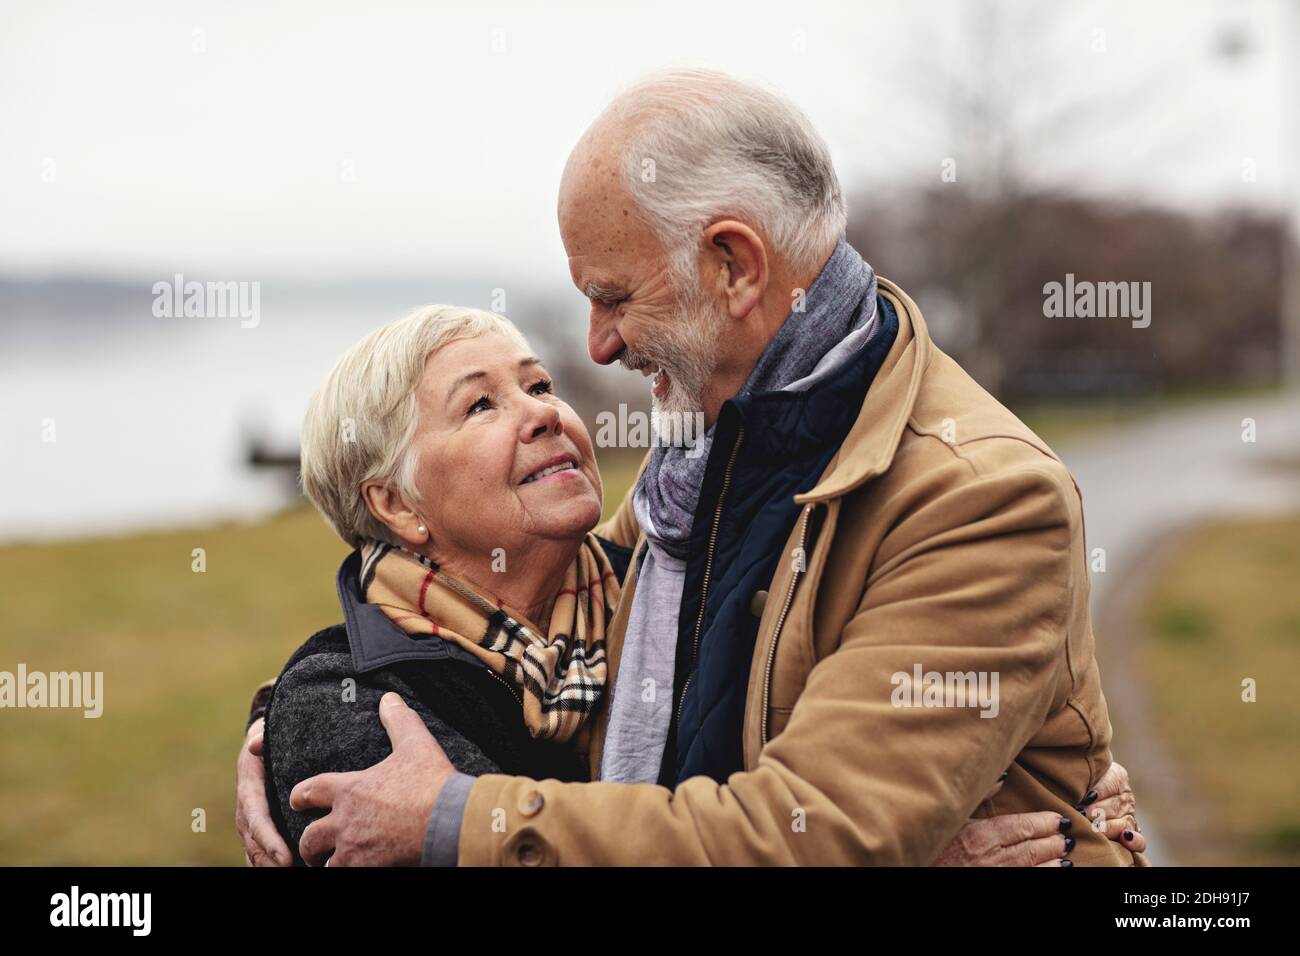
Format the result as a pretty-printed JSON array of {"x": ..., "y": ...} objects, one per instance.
[
  {"x": 527, "y": 847},
  {"x": 531, "y": 803},
  {"x": 529, "y": 854},
  {"x": 757, "y": 603}
]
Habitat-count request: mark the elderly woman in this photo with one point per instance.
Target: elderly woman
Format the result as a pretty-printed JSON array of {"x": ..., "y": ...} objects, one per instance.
[
  {"x": 476, "y": 590},
  {"x": 439, "y": 451}
]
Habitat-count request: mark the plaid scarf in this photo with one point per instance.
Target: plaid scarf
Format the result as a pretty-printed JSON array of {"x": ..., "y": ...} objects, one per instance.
[{"x": 561, "y": 673}]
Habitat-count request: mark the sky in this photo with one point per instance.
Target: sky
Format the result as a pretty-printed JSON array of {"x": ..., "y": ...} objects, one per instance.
[{"x": 317, "y": 139}]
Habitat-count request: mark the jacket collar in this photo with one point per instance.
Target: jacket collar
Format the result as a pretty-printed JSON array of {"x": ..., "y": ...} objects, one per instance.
[
  {"x": 793, "y": 422},
  {"x": 869, "y": 448},
  {"x": 375, "y": 641}
]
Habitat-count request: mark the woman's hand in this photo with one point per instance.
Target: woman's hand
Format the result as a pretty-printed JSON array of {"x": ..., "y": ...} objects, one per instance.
[
  {"x": 263, "y": 845},
  {"x": 1112, "y": 809},
  {"x": 1042, "y": 838}
]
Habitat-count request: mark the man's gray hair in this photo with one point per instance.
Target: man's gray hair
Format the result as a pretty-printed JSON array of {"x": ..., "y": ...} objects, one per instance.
[
  {"x": 703, "y": 145},
  {"x": 362, "y": 421}
]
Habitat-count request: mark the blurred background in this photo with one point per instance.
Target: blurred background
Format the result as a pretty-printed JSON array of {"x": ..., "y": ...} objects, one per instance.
[{"x": 356, "y": 161}]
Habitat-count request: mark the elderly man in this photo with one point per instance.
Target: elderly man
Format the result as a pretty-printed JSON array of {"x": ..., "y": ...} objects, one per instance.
[{"x": 847, "y": 614}]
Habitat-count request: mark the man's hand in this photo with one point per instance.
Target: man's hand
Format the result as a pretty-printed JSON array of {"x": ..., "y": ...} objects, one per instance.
[
  {"x": 1012, "y": 839},
  {"x": 1042, "y": 839},
  {"x": 262, "y": 843},
  {"x": 378, "y": 815}
]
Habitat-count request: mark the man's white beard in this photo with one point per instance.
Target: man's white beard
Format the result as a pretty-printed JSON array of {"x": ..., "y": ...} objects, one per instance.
[{"x": 688, "y": 352}]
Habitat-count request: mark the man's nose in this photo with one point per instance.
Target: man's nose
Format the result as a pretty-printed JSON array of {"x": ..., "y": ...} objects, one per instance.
[{"x": 603, "y": 341}]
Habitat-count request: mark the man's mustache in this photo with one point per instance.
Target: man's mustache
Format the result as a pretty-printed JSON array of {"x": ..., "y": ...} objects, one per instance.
[{"x": 635, "y": 361}]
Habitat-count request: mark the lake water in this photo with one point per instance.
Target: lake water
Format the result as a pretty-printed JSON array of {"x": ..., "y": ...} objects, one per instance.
[{"x": 112, "y": 419}]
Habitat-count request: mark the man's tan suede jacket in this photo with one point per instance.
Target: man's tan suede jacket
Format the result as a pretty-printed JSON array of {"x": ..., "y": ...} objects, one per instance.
[{"x": 944, "y": 535}]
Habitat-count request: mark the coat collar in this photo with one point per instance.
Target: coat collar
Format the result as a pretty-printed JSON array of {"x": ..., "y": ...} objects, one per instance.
[
  {"x": 869, "y": 448},
  {"x": 375, "y": 641}
]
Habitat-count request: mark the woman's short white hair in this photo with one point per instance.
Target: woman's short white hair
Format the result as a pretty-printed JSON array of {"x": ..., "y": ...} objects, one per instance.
[
  {"x": 703, "y": 145},
  {"x": 361, "y": 421}
]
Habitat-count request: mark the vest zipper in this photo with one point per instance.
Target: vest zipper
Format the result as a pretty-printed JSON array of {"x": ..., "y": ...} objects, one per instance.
[
  {"x": 708, "y": 567},
  {"x": 780, "y": 621}
]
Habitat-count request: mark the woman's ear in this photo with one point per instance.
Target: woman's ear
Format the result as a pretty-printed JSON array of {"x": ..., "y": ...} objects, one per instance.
[
  {"x": 391, "y": 509},
  {"x": 740, "y": 259}
]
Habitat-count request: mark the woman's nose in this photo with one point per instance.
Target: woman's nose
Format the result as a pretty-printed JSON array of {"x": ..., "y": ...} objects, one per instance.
[{"x": 543, "y": 418}]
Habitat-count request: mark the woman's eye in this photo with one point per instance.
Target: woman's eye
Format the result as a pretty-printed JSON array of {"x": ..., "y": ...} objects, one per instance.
[
  {"x": 541, "y": 388},
  {"x": 483, "y": 404}
]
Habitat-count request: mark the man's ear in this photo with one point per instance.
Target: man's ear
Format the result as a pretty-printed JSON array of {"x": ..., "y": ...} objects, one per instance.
[
  {"x": 392, "y": 510},
  {"x": 737, "y": 256}
]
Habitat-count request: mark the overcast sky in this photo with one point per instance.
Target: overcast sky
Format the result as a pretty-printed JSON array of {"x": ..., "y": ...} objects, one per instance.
[{"x": 313, "y": 138}]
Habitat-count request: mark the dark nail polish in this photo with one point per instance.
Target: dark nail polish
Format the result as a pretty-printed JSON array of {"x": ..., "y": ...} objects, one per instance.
[
  {"x": 1069, "y": 844},
  {"x": 1128, "y": 834},
  {"x": 1067, "y": 863},
  {"x": 1065, "y": 823},
  {"x": 1003, "y": 775},
  {"x": 1092, "y": 796}
]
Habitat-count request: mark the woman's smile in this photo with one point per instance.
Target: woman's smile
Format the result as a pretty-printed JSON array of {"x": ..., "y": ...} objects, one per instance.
[{"x": 560, "y": 468}]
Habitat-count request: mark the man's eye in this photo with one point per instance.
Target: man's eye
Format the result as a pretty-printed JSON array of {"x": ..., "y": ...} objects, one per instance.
[
  {"x": 541, "y": 387},
  {"x": 483, "y": 404}
]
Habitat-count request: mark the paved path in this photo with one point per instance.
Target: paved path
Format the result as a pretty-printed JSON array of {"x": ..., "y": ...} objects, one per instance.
[{"x": 1145, "y": 481}]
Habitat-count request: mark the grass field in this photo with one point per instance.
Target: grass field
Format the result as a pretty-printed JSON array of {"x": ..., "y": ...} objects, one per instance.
[
  {"x": 1225, "y": 609},
  {"x": 181, "y": 654}
]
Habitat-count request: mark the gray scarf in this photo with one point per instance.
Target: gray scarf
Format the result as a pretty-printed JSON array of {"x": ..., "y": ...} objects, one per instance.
[
  {"x": 808, "y": 341},
  {"x": 834, "y": 323}
]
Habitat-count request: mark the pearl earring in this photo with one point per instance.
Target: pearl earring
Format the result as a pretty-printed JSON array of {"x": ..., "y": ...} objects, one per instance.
[{"x": 422, "y": 529}]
